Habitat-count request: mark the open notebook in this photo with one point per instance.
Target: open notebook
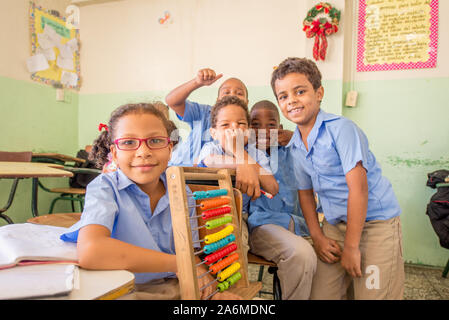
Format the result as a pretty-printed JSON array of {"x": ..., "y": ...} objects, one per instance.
[
  {"x": 27, "y": 243},
  {"x": 38, "y": 281}
]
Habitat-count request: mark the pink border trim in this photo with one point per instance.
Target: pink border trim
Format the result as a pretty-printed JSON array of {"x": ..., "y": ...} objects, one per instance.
[{"x": 431, "y": 63}]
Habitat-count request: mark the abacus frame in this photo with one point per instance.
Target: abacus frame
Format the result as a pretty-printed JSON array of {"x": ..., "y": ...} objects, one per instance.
[{"x": 185, "y": 257}]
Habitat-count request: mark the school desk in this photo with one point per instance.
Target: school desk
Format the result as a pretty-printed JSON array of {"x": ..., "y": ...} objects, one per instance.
[
  {"x": 33, "y": 170},
  {"x": 55, "y": 158},
  {"x": 100, "y": 285}
]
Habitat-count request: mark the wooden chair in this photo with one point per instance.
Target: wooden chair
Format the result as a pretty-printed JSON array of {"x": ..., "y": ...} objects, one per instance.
[{"x": 13, "y": 157}]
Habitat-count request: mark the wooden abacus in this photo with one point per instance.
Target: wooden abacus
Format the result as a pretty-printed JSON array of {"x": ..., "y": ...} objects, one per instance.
[{"x": 219, "y": 232}]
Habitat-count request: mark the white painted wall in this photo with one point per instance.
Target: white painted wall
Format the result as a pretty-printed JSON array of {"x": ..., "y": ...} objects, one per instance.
[
  {"x": 15, "y": 35},
  {"x": 125, "y": 49}
]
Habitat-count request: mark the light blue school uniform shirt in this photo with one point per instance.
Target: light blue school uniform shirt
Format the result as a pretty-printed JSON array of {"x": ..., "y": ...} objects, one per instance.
[
  {"x": 214, "y": 148},
  {"x": 198, "y": 117},
  {"x": 116, "y": 202},
  {"x": 336, "y": 145},
  {"x": 285, "y": 204}
]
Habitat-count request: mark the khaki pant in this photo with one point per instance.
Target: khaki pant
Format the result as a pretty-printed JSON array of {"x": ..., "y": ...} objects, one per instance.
[
  {"x": 294, "y": 256},
  {"x": 382, "y": 264}
]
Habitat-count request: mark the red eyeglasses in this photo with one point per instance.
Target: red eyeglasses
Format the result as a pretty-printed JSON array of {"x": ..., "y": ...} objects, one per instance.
[{"x": 129, "y": 144}]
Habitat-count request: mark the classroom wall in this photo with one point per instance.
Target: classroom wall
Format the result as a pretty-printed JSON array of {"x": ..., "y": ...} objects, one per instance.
[
  {"x": 140, "y": 59},
  {"x": 127, "y": 56},
  {"x": 402, "y": 112},
  {"x": 405, "y": 116},
  {"x": 30, "y": 117}
]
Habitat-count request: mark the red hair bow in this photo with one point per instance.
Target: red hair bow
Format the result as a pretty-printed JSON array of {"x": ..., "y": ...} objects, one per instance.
[{"x": 102, "y": 126}]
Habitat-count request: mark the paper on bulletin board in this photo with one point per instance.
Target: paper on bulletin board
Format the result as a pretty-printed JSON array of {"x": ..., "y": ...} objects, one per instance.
[
  {"x": 52, "y": 39},
  {"x": 397, "y": 34}
]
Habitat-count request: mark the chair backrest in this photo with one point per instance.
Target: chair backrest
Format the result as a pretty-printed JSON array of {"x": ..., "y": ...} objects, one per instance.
[{"x": 16, "y": 156}]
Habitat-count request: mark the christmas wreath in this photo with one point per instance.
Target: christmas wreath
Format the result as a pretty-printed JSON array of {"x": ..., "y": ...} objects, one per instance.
[{"x": 321, "y": 27}]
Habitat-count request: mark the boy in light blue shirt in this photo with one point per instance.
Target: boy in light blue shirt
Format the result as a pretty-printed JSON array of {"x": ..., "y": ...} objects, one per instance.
[
  {"x": 360, "y": 241},
  {"x": 196, "y": 115},
  {"x": 276, "y": 226}
]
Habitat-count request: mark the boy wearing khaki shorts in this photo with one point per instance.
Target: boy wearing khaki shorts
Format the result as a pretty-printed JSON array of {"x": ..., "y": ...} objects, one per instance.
[{"x": 360, "y": 243}]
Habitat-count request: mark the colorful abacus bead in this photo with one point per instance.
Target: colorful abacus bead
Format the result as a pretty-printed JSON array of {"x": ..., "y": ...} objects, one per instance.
[
  {"x": 214, "y": 237},
  {"x": 198, "y": 195}
]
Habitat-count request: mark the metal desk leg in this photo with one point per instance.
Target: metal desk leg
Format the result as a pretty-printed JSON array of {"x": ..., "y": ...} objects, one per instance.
[
  {"x": 10, "y": 199},
  {"x": 34, "y": 186}
]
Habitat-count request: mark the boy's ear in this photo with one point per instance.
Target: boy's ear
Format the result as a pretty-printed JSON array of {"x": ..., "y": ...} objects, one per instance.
[
  {"x": 320, "y": 93},
  {"x": 281, "y": 126},
  {"x": 170, "y": 147}
]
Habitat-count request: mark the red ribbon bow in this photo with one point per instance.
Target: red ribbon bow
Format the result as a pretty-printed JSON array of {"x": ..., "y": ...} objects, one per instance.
[{"x": 102, "y": 126}]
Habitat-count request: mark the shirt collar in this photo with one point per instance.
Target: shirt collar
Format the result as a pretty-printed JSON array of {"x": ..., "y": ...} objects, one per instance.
[
  {"x": 321, "y": 117},
  {"x": 122, "y": 180}
]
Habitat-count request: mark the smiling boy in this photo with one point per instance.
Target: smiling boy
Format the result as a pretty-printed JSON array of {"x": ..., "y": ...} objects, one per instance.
[{"x": 362, "y": 228}]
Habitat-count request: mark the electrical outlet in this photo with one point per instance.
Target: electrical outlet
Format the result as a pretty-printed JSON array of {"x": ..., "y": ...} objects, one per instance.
[{"x": 351, "y": 99}]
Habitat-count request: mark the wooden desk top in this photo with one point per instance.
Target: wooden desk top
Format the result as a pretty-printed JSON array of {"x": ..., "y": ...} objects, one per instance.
[
  {"x": 58, "y": 156},
  {"x": 99, "y": 285},
  {"x": 31, "y": 170}
]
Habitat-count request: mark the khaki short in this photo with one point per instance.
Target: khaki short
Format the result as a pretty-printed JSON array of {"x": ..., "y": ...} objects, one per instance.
[{"x": 382, "y": 264}]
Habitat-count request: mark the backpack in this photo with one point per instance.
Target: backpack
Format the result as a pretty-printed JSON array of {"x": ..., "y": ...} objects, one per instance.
[
  {"x": 438, "y": 207},
  {"x": 81, "y": 180}
]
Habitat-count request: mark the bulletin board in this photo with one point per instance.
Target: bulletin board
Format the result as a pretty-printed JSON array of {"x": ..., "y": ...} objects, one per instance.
[
  {"x": 54, "y": 50},
  {"x": 397, "y": 34}
]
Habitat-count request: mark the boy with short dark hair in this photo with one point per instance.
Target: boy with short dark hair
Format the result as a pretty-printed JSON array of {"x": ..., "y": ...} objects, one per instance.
[
  {"x": 276, "y": 226},
  {"x": 360, "y": 242}
]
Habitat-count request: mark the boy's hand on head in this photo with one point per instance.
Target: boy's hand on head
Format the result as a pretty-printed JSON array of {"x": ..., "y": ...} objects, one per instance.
[
  {"x": 351, "y": 261},
  {"x": 206, "y": 77},
  {"x": 327, "y": 249}
]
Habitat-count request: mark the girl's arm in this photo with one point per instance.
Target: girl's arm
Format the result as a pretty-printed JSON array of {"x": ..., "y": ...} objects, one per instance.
[
  {"x": 357, "y": 206},
  {"x": 97, "y": 250},
  {"x": 176, "y": 99},
  {"x": 327, "y": 249}
]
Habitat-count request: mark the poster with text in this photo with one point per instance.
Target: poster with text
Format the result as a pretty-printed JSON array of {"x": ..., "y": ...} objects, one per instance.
[{"x": 397, "y": 34}]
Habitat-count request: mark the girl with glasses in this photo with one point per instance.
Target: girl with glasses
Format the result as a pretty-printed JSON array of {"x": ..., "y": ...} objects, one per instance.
[{"x": 126, "y": 222}]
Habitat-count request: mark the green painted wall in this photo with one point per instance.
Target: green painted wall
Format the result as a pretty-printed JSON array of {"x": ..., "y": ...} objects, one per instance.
[
  {"x": 32, "y": 120},
  {"x": 406, "y": 122}
]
